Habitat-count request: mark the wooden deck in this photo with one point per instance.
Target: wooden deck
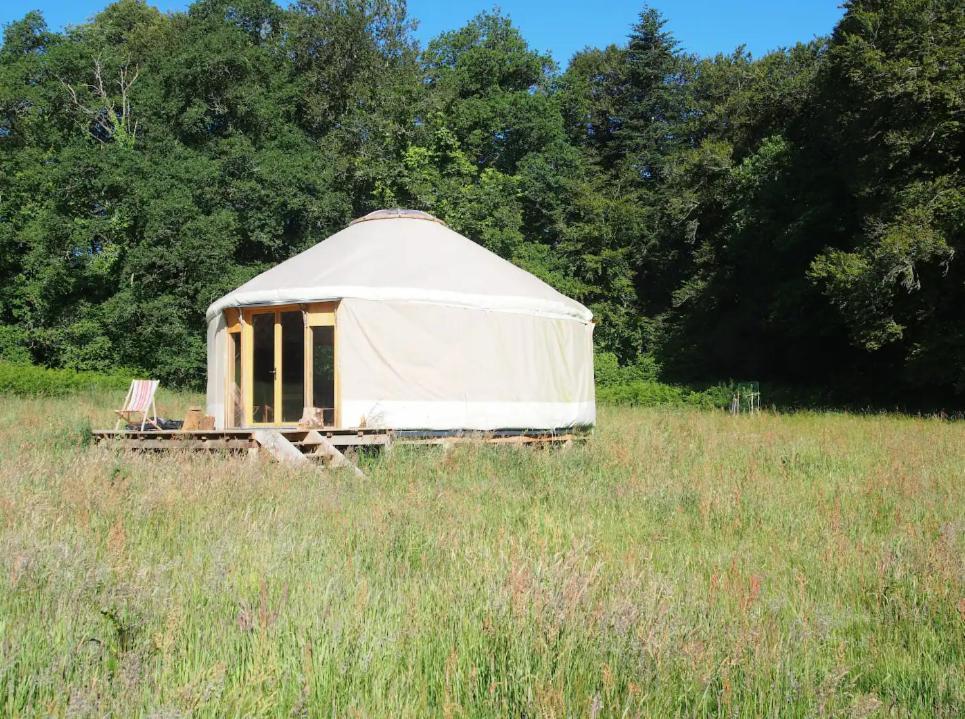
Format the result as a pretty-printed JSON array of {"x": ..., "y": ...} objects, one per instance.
[{"x": 300, "y": 446}]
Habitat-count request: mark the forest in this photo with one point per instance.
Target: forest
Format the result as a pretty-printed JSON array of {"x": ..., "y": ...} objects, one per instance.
[{"x": 795, "y": 218}]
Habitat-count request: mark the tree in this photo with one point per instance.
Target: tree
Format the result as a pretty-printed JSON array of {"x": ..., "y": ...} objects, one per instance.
[
  {"x": 795, "y": 217},
  {"x": 894, "y": 89}
]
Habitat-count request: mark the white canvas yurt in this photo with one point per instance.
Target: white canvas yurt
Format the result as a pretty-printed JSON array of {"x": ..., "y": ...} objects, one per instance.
[{"x": 399, "y": 322}]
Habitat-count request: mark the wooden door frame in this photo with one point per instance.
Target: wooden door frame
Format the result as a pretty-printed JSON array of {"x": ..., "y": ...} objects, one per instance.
[
  {"x": 234, "y": 327},
  {"x": 316, "y": 314},
  {"x": 248, "y": 356},
  {"x": 322, "y": 314}
]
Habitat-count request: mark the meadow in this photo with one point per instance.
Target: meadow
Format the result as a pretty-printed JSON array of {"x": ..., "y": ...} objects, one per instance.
[{"x": 683, "y": 562}]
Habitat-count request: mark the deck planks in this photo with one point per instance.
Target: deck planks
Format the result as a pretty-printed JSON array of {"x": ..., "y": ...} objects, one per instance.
[{"x": 303, "y": 446}]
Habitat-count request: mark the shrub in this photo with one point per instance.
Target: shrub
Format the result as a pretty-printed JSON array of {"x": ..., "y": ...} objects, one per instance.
[
  {"x": 717, "y": 396},
  {"x": 30, "y": 380},
  {"x": 649, "y": 393},
  {"x": 642, "y": 393},
  {"x": 13, "y": 345},
  {"x": 608, "y": 371}
]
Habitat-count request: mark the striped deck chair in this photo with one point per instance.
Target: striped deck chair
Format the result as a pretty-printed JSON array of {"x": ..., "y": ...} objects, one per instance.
[{"x": 140, "y": 399}]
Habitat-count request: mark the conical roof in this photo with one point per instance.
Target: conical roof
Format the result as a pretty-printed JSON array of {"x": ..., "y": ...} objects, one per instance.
[{"x": 403, "y": 255}]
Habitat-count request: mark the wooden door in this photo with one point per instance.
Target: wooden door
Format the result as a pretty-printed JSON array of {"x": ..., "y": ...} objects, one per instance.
[{"x": 288, "y": 365}]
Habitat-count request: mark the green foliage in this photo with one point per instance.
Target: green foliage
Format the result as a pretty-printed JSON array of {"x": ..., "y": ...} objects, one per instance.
[
  {"x": 651, "y": 393},
  {"x": 892, "y": 88},
  {"x": 796, "y": 217},
  {"x": 637, "y": 384},
  {"x": 609, "y": 372},
  {"x": 13, "y": 345},
  {"x": 642, "y": 393},
  {"x": 29, "y": 380}
]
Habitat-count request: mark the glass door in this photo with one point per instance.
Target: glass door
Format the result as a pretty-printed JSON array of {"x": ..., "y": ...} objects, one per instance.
[
  {"x": 291, "y": 374},
  {"x": 287, "y": 366},
  {"x": 277, "y": 366},
  {"x": 263, "y": 370}
]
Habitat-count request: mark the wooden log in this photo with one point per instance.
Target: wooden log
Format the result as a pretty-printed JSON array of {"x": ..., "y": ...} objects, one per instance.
[
  {"x": 325, "y": 449},
  {"x": 275, "y": 443},
  {"x": 192, "y": 419}
]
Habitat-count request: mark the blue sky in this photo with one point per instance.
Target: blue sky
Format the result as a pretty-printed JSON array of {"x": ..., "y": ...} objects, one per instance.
[{"x": 563, "y": 27}]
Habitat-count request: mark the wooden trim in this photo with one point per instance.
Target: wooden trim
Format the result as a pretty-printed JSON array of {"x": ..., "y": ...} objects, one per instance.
[
  {"x": 229, "y": 403},
  {"x": 228, "y": 367},
  {"x": 321, "y": 314},
  {"x": 233, "y": 326},
  {"x": 276, "y": 412},
  {"x": 336, "y": 377},
  {"x": 309, "y": 374},
  {"x": 316, "y": 314},
  {"x": 247, "y": 371},
  {"x": 212, "y": 444},
  {"x": 232, "y": 317}
]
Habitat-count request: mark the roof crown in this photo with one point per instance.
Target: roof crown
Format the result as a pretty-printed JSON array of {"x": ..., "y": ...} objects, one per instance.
[{"x": 397, "y": 213}]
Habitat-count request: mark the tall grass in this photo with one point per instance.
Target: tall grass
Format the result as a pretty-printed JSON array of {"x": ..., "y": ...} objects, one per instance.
[{"x": 682, "y": 563}]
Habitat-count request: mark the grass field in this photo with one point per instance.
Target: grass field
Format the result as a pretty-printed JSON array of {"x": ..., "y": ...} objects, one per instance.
[{"x": 682, "y": 563}]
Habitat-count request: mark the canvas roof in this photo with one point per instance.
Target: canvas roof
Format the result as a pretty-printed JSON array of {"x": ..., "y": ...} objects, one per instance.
[{"x": 403, "y": 255}]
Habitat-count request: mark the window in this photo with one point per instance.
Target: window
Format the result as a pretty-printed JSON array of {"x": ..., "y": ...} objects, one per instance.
[
  {"x": 236, "y": 410},
  {"x": 323, "y": 372}
]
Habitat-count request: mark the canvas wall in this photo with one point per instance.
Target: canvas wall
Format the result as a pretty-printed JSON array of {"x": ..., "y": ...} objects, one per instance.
[
  {"x": 415, "y": 365},
  {"x": 420, "y": 365}
]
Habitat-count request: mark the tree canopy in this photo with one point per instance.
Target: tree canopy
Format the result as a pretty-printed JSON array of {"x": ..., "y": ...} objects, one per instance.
[{"x": 796, "y": 218}]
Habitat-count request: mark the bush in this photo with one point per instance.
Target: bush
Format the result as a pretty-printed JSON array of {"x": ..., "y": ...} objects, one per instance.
[
  {"x": 609, "y": 373},
  {"x": 638, "y": 385},
  {"x": 30, "y": 380},
  {"x": 642, "y": 393},
  {"x": 13, "y": 345},
  {"x": 716, "y": 396},
  {"x": 650, "y": 393}
]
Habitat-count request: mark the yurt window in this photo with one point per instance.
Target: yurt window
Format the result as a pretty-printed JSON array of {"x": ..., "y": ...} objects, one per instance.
[
  {"x": 236, "y": 406},
  {"x": 323, "y": 372}
]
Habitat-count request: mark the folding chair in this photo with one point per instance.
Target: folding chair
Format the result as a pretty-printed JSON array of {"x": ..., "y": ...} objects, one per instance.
[{"x": 140, "y": 399}]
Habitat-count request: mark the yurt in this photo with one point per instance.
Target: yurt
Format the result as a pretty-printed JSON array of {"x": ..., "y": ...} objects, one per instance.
[{"x": 399, "y": 322}]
